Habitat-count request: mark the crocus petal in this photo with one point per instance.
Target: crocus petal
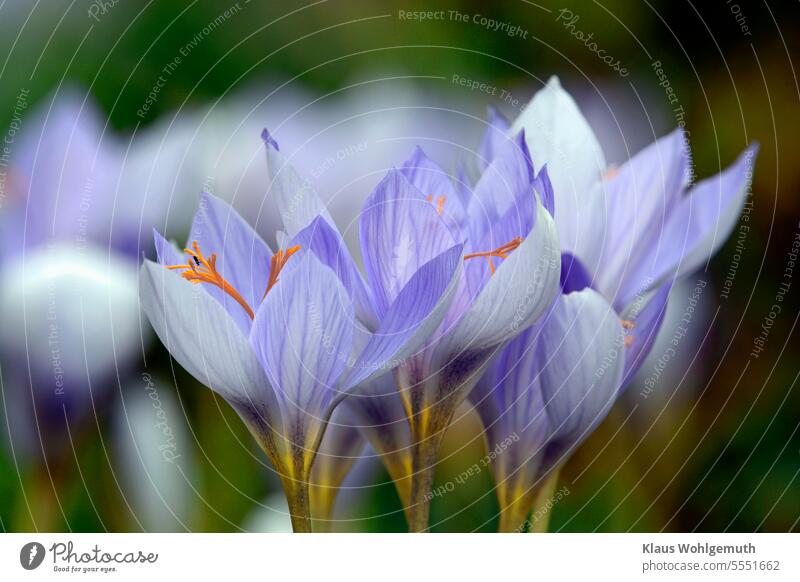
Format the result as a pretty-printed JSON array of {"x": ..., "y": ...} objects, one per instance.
[
  {"x": 242, "y": 256},
  {"x": 302, "y": 334},
  {"x": 496, "y": 135},
  {"x": 400, "y": 231},
  {"x": 429, "y": 178},
  {"x": 509, "y": 176},
  {"x": 582, "y": 366},
  {"x": 298, "y": 203},
  {"x": 701, "y": 223},
  {"x": 412, "y": 318},
  {"x": 204, "y": 339},
  {"x": 544, "y": 187},
  {"x": 647, "y": 319},
  {"x": 326, "y": 243},
  {"x": 574, "y": 276},
  {"x": 551, "y": 385},
  {"x": 640, "y": 199},
  {"x": 519, "y": 292},
  {"x": 558, "y": 135},
  {"x": 167, "y": 253}
]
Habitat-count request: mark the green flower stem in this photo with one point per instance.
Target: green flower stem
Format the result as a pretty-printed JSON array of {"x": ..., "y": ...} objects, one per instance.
[{"x": 544, "y": 495}]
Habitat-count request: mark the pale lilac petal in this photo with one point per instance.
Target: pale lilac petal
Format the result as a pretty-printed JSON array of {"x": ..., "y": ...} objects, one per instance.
[
  {"x": 302, "y": 334},
  {"x": 298, "y": 203},
  {"x": 400, "y": 231},
  {"x": 509, "y": 176},
  {"x": 412, "y": 318},
  {"x": 204, "y": 339},
  {"x": 700, "y": 225},
  {"x": 327, "y": 244},
  {"x": 167, "y": 253},
  {"x": 558, "y": 135},
  {"x": 640, "y": 200},
  {"x": 243, "y": 258},
  {"x": 647, "y": 319},
  {"x": 435, "y": 184},
  {"x": 520, "y": 291}
]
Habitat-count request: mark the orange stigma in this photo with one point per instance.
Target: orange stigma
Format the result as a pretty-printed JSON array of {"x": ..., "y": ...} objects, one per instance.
[
  {"x": 202, "y": 270},
  {"x": 500, "y": 252},
  {"x": 276, "y": 263},
  {"x": 439, "y": 203}
]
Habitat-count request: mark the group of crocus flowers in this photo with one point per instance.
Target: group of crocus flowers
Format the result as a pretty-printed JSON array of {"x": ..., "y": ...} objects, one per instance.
[{"x": 531, "y": 293}]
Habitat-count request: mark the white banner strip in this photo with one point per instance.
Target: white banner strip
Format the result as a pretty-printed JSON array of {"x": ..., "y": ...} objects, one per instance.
[{"x": 401, "y": 557}]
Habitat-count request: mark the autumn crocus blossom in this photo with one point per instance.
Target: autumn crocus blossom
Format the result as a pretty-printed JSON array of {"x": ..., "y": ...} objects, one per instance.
[
  {"x": 276, "y": 334},
  {"x": 627, "y": 234}
]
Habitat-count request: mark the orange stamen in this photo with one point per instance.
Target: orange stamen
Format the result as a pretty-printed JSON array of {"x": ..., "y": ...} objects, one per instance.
[
  {"x": 201, "y": 270},
  {"x": 627, "y": 325},
  {"x": 440, "y": 204},
  {"x": 500, "y": 252},
  {"x": 276, "y": 263}
]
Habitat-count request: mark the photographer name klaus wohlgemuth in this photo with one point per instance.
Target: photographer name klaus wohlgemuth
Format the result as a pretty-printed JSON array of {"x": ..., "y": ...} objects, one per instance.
[
  {"x": 710, "y": 549},
  {"x": 64, "y": 553}
]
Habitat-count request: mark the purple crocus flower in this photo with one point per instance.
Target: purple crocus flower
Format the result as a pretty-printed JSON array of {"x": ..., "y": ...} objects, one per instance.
[
  {"x": 626, "y": 236},
  {"x": 278, "y": 335},
  {"x": 510, "y": 276}
]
